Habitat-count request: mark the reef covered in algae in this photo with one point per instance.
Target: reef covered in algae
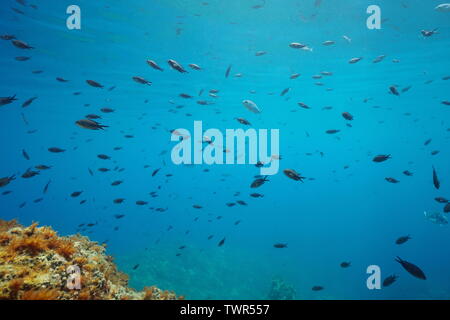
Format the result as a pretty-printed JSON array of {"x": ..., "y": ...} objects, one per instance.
[{"x": 34, "y": 264}]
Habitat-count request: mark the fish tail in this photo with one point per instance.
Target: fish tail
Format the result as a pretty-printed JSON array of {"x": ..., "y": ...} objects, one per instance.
[{"x": 398, "y": 259}]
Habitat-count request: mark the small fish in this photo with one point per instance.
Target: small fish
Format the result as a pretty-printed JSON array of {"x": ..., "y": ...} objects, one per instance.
[
  {"x": 436, "y": 182},
  {"x": 258, "y": 182},
  {"x": 389, "y": 280},
  {"x": 394, "y": 90},
  {"x": 285, "y": 91},
  {"x": 243, "y": 121},
  {"x": 441, "y": 200},
  {"x": 221, "y": 242},
  {"x": 402, "y": 239},
  {"x": 94, "y": 84},
  {"x": 407, "y": 173},
  {"x": 154, "y": 65},
  {"x": 354, "y": 60},
  {"x": 447, "y": 208},
  {"x": 103, "y": 157},
  {"x": 141, "y": 80},
  {"x": 381, "y": 158},
  {"x": 7, "y": 100},
  {"x": 56, "y": 150},
  {"x": 194, "y": 66},
  {"x": 280, "y": 245},
  {"x": 29, "y": 174},
  {"x": 76, "y": 194},
  {"x": 28, "y": 102},
  {"x": 412, "y": 269},
  {"x": 22, "y": 58},
  {"x": 347, "y": 116},
  {"x": 227, "y": 73},
  {"x": 21, "y": 44},
  {"x": 379, "y": 59},
  {"x": 135, "y": 267},
  {"x": 155, "y": 172},
  {"x": 292, "y": 174},
  {"x": 90, "y": 124},
  {"x": 317, "y": 288},
  {"x": 176, "y": 66},
  {"x": 345, "y": 264},
  {"x": 25, "y": 154},
  {"x": 46, "y": 186},
  {"x": 391, "y": 180},
  {"x": 256, "y": 195}
]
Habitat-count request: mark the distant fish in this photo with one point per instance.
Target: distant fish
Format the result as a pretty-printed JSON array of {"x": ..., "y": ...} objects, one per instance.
[
  {"x": 46, "y": 187},
  {"x": 94, "y": 84},
  {"x": 354, "y": 60},
  {"x": 285, "y": 91},
  {"x": 379, "y": 59},
  {"x": 25, "y": 154},
  {"x": 194, "y": 66},
  {"x": 317, "y": 288},
  {"x": 76, "y": 194},
  {"x": 381, "y": 158},
  {"x": 258, "y": 182},
  {"x": 347, "y": 116},
  {"x": 436, "y": 182},
  {"x": 90, "y": 124},
  {"x": 444, "y": 7},
  {"x": 389, "y": 280},
  {"x": 280, "y": 245},
  {"x": 56, "y": 150},
  {"x": 251, "y": 106},
  {"x": 394, "y": 90},
  {"x": 155, "y": 172},
  {"x": 154, "y": 65},
  {"x": 176, "y": 66},
  {"x": 402, "y": 239},
  {"x": 328, "y": 43},
  {"x": 391, "y": 180},
  {"x": 28, "y": 102},
  {"x": 221, "y": 242},
  {"x": 141, "y": 80},
  {"x": 227, "y": 73},
  {"x": 21, "y": 44}
]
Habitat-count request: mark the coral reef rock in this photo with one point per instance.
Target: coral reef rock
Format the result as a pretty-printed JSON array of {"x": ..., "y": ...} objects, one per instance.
[{"x": 37, "y": 264}]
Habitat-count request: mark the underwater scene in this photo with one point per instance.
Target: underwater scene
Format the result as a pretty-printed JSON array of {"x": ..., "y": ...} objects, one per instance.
[{"x": 225, "y": 149}]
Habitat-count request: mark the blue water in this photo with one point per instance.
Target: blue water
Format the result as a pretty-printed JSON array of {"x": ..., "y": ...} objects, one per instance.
[{"x": 338, "y": 214}]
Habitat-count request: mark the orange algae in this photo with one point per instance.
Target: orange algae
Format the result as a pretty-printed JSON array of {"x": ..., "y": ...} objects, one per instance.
[
  {"x": 42, "y": 294},
  {"x": 34, "y": 262}
]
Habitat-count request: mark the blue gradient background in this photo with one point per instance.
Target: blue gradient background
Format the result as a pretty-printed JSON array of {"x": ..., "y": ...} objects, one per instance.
[{"x": 343, "y": 215}]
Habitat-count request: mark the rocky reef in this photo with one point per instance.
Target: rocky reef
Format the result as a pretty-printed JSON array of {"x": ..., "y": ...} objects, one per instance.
[
  {"x": 37, "y": 264},
  {"x": 280, "y": 290}
]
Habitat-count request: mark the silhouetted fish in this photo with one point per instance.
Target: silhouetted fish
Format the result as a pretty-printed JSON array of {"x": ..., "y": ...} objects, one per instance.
[
  {"x": 436, "y": 182},
  {"x": 412, "y": 268},
  {"x": 389, "y": 280}
]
